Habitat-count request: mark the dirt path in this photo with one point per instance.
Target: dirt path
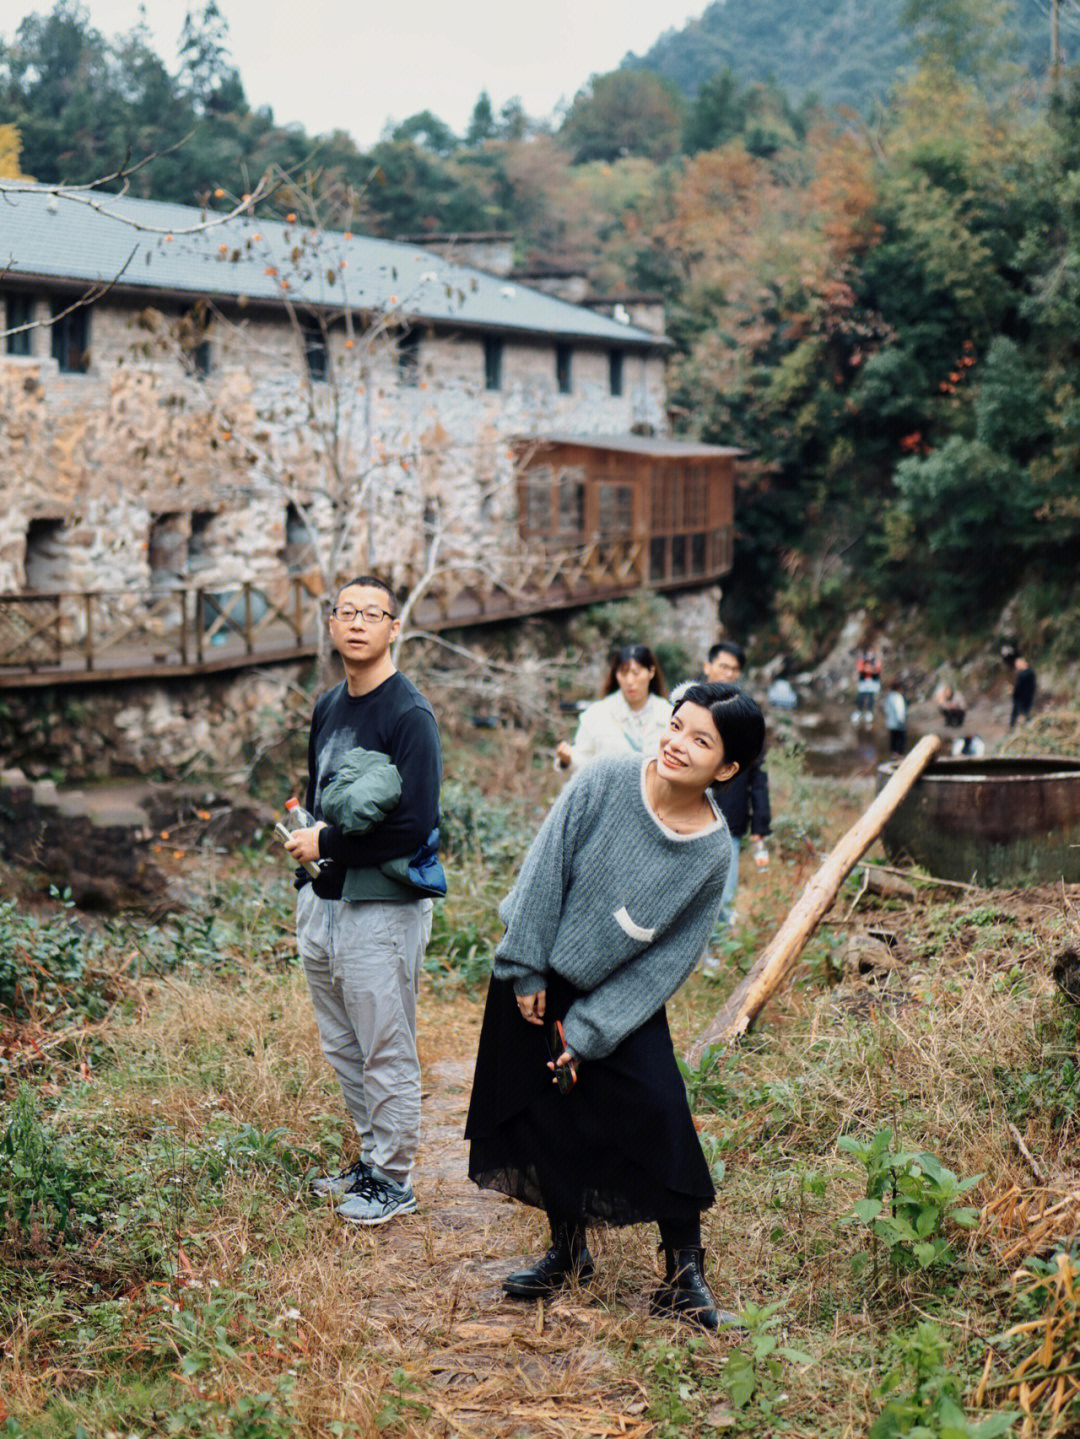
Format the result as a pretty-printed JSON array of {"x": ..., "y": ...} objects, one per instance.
[{"x": 486, "y": 1365}]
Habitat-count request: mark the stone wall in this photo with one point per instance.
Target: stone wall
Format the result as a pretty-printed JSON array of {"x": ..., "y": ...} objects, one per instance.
[
  {"x": 98, "y": 466},
  {"x": 219, "y": 725}
]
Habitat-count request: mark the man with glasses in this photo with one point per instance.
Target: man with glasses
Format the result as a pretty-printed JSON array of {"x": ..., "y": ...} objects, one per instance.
[{"x": 361, "y": 933}]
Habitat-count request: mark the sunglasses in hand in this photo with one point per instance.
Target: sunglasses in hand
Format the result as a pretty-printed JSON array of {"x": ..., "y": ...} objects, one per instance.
[{"x": 565, "y": 1074}]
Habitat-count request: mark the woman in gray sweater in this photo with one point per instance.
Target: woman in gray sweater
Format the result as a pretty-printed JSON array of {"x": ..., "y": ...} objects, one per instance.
[{"x": 578, "y": 1105}]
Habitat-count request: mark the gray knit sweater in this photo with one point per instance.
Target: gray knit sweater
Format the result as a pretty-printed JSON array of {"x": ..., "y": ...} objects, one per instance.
[{"x": 612, "y": 900}]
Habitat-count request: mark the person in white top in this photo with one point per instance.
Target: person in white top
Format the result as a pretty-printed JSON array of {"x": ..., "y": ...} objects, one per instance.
[{"x": 629, "y": 719}]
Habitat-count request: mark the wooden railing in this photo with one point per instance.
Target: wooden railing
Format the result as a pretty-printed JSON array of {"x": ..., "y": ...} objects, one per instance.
[{"x": 116, "y": 634}]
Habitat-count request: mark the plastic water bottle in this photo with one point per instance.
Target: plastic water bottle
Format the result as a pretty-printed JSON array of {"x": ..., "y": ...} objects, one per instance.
[
  {"x": 297, "y": 817},
  {"x": 761, "y": 855}
]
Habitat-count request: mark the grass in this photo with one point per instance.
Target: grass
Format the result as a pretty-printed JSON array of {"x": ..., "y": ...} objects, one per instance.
[{"x": 163, "y": 1269}]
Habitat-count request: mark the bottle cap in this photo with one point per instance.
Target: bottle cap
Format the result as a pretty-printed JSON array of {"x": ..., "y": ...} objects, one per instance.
[{"x": 292, "y": 803}]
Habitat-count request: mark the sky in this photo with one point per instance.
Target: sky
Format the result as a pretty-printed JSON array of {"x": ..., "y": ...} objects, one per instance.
[{"x": 355, "y": 64}]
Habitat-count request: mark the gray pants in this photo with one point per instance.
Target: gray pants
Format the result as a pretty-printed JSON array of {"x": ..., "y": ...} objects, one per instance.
[{"x": 362, "y": 963}]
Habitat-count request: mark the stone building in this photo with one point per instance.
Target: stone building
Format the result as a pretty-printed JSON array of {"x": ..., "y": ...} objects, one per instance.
[{"x": 196, "y": 408}]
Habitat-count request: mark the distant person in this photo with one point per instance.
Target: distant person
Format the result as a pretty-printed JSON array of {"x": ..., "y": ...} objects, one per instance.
[
  {"x": 867, "y": 686},
  {"x": 950, "y": 703},
  {"x": 629, "y": 719},
  {"x": 968, "y": 746},
  {"x": 781, "y": 695},
  {"x": 894, "y": 710},
  {"x": 744, "y": 800},
  {"x": 724, "y": 663},
  {"x": 1023, "y": 695}
]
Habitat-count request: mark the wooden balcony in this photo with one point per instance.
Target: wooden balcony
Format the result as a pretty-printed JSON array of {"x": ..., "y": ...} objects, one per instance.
[
  {"x": 70, "y": 638},
  {"x": 600, "y": 518}
]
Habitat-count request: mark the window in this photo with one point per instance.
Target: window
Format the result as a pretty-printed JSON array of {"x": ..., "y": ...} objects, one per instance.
[
  {"x": 615, "y": 517},
  {"x": 493, "y": 357},
  {"x": 315, "y": 354},
  {"x": 571, "y": 502},
  {"x": 297, "y": 553},
  {"x": 46, "y": 555},
  {"x": 167, "y": 550},
  {"x": 71, "y": 337},
  {"x": 537, "y": 516},
  {"x": 20, "y": 311},
  {"x": 615, "y": 359},
  {"x": 408, "y": 357},
  {"x": 199, "y": 556},
  {"x": 563, "y": 367}
]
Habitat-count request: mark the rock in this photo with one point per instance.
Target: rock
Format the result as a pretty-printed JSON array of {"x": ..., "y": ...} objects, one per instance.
[
  {"x": 889, "y": 886},
  {"x": 1067, "y": 972},
  {"x": 867, "y": 958}
]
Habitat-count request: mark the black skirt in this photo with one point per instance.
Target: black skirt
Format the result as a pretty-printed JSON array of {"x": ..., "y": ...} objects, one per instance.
[{"x": 620, "y": 1148}]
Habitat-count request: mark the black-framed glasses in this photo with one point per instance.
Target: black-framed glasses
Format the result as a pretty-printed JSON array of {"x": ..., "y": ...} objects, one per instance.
[{"x": 370, "y": 614}]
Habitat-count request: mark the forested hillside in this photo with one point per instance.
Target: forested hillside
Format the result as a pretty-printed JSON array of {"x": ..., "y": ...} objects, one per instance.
[
  {"x": 884, "y": 313},
  {"x": 839, "y": 52}
]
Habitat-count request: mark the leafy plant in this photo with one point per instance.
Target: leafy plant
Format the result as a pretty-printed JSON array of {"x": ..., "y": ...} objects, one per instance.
[
  {"x": 674, "y": 1384},
  {"x": 401, "y": 1405},
  {"x": 932, "y": 1408},
  {"x": 40, "y": 958},
  {"x": 911, "y": 1202},
  {"x": 38, "y": 1185},
  {"x": 755, "y": 1373}
]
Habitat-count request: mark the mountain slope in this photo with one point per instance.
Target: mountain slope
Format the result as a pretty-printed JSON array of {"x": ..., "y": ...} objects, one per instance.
[{"x": 840, "y": 51}]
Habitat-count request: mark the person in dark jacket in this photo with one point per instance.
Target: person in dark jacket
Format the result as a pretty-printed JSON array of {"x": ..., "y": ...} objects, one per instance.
[
  {"x": 744, "y": 800},
  {"x": 362, "y": 924},
  {"x": 1023, "y": 695}
]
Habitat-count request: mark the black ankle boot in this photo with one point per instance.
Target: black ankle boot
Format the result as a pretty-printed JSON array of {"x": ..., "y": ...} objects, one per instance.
[
  {"x": 686, "y": 1293},
  {"x": 567, "y": 1259}
]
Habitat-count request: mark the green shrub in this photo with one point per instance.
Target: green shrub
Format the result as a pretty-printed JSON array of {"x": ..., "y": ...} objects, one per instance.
[
  {"x": 911, "y": 1203},
  {"x": 932, "y": 1407},
  {"x": 38, "y": 1186}
]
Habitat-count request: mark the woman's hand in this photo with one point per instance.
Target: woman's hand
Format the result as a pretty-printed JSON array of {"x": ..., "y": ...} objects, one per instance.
[
  {"x": 531, "y": 1006},
  {"x": 563, "y": 755},
  {"x": 564, "y": 1070}
]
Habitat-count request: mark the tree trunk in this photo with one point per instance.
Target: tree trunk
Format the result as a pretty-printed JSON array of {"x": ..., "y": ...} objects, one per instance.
[{"x": 779, "y": 958}]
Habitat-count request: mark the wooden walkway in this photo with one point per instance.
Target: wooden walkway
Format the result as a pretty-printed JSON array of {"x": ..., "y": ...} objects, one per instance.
[{"x": 73, "y": 638}]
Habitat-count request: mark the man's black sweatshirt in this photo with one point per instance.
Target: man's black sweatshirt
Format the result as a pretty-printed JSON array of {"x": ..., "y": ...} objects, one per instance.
[{"x": 395, "y": 720}]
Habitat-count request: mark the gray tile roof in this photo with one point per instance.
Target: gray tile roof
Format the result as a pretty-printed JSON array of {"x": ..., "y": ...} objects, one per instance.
[
  {"x": 657, "y": 445},
  {"x": 97, "y": 238}
]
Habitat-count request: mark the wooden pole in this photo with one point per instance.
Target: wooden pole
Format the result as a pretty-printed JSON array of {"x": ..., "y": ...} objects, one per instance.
[{"x": 778, "y": 959}]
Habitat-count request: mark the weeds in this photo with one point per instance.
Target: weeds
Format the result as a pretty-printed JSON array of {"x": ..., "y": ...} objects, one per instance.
[
  {"x": 1047, "y": 1378},
  {"x": 753, "y": 1374},
  {"x": 911, "y": 1202},
  {"x": 932, "y": 1408},
  {"x": 40, "y": 1190}
]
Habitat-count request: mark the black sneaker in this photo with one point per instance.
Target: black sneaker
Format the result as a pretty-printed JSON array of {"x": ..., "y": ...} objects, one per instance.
[{"x": 344, "y": 1182}]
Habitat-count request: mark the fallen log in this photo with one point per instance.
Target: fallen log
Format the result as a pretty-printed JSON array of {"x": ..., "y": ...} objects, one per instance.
[{"x": 778, "y": 960}]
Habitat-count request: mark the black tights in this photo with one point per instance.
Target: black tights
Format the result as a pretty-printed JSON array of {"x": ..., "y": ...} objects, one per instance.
[{"x": 674, "y": 1233}]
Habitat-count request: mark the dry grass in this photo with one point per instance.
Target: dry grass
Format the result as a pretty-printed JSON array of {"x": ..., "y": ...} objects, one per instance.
[{"x": 234, "y": 1283}]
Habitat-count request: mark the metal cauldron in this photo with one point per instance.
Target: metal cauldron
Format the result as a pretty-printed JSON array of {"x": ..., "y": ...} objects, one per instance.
[{"x": 1008, "y": 821}]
